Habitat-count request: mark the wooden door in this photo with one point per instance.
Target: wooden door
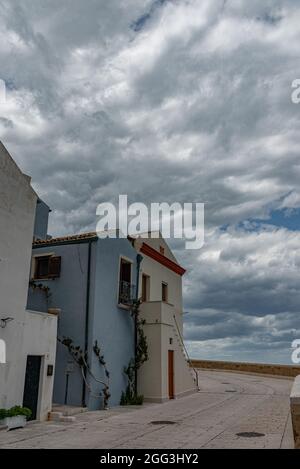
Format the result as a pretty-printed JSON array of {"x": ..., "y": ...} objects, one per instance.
[
  {"x": 145, "y": 288},
  {"x": 171, "y": 373}
]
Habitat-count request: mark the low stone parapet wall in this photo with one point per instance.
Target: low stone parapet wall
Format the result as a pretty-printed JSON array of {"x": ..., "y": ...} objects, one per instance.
[{"x": 290, "y": 371}]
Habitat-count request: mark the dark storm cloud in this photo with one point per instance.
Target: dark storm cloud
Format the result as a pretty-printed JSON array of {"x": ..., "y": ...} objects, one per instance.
[{"x": 192, "y": 104}]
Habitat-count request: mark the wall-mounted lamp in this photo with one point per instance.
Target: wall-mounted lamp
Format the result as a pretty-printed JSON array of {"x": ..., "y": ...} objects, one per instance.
[{"x": 5, "y": 321}]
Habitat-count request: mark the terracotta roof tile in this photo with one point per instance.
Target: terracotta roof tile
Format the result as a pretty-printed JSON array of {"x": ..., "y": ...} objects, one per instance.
[{"x": 63, "y": 239}]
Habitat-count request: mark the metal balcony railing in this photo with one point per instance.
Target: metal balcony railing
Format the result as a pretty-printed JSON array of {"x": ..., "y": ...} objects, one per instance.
[
  {"x": 126, "y": 293},
  {"x": 187, "y": 353}
]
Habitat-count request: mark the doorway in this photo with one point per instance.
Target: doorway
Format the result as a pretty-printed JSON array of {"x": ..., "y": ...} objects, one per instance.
[
  {"x": 171, "y": 373},
  {"x": 145, "y": 287},
  {"x": 32, "y": 383}
]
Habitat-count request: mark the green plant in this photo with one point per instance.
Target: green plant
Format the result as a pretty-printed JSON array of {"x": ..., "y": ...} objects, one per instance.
[
  {"x": 17, "y": 410},
  {"x": 129, "y": 397},
  {"x": 3, "y": 414},
  {"x": 105, "y": 391},
  {"x": 43, "y": 288},
  {"x": 14, "y": 412},
  {"x": 81, "y": 359},
  {"x": 141, "y": 355},
  {"x": 76, "y": 352}
]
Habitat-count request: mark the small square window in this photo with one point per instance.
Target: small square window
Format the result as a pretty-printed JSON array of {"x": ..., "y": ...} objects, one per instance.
[
  {"x": 41, "y": 267},
  {"x": 47, "y": 267}
]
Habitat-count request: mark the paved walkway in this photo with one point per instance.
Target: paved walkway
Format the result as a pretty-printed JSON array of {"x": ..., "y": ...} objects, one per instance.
[{"x": 228, "y": 404}]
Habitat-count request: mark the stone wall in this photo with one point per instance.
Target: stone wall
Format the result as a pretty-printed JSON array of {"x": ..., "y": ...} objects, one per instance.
[
  {"x": 295, "y": 411},
  {"x": 278, "y": 370}
]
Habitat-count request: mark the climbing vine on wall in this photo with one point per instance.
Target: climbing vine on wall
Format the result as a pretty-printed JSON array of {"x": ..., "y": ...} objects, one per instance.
[
  {"x": 130, "y": 397},
  {"x": 106, "y": 393},
  {"x": 43, "y": 288},
  {"x": 80, "y": 357}
]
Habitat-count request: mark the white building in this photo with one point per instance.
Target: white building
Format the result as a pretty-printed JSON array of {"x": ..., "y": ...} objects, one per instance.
[
  {"x": 167, "y": 374},
  {"x": 30, "y": 337}
]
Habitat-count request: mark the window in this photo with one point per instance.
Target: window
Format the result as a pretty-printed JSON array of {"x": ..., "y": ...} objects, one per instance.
[
  {"x": 145, "y": 288},
  {"x": 41, "y": 266},
  {"x": 162, "y": 250},
  {"x": 164, "y": 292},
  {"x": 125, "y": 286},
  {"x": 47, "y": 267}
]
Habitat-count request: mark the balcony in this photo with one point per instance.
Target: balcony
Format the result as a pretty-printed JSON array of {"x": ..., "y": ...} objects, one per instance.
[
  {"x": 126, "y": 293},
  {"x": 158, "y": 312}
]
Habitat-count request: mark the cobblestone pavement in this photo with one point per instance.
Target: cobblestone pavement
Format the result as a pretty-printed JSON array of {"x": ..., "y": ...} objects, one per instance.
[{"x": 227, "y": 405}]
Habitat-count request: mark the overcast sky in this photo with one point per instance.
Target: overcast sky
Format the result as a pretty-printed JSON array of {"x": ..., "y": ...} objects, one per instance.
[{"x": 172, "y": 100}]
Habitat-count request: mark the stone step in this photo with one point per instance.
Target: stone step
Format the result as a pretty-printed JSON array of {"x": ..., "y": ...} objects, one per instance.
[
  {"x": 65, "y": 413},
  {"x": 68, "y": 410},
  {"x": 55, "y": 416},
  {"x": 59, "y": 417},
  {"x": 68, "y": 419}
]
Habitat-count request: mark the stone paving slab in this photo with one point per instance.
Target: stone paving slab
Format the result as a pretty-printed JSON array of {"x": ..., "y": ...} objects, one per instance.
[{"x": 228, "y": 404}]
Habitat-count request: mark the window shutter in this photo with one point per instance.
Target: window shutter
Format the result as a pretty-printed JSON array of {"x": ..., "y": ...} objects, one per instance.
[{"x": 54, "y": 266}]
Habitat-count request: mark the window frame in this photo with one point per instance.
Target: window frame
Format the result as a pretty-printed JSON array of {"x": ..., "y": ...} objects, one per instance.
[
  {"x": 147, "y": 297},
  {"x": 33, "y": 263},
  {"x": 36, "y": 267},
  {"x": 166, "y": 286},
  {"x": 33, "y": 270},
  {"x": 162, "y": 250}
]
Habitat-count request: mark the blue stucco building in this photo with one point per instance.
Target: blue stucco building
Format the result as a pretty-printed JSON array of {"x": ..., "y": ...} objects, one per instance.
[{"x": 91, "y": 281}]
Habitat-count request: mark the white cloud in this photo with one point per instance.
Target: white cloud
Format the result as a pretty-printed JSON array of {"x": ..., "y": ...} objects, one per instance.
[{"x": 195, "y": 106}]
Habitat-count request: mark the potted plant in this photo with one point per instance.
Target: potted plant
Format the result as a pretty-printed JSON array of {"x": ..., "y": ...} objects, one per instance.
[{"x": 15, "y": 417}]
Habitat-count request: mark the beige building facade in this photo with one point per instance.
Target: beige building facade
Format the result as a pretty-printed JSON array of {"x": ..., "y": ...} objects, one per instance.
[{"x": 167, "y": 374}]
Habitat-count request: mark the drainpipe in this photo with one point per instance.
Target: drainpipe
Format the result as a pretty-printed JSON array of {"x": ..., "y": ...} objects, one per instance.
[
  {"x": 139, "y": 259},
  {"x": 87, "y": 313}
]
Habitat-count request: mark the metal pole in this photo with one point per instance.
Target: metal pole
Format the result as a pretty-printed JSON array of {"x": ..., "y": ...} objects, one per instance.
[
  {"x": 87, "y": 311},
  {"x": 67, "y": 388}
]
